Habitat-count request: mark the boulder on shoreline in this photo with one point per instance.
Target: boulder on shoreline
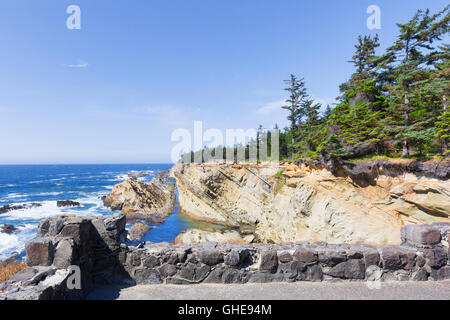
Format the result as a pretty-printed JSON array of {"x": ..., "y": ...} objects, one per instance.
[
  {"x": 137, "y": 198},
  {"x": 138, "y": 231}
]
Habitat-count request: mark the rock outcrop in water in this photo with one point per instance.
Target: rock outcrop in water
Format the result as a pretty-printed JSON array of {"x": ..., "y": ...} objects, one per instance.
[
  {"x": 8, "y": 208},
  {"x": 67, "y": 203},
  {"x": 8, "y": 229},
  {"x": 362, "y": 203},
  {"x": 141, "y": 200},
  {"x": 138, "y": 230}
]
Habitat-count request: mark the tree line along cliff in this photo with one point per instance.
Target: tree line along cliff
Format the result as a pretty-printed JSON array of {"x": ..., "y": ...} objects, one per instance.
[{"x": 394, "y": 104}]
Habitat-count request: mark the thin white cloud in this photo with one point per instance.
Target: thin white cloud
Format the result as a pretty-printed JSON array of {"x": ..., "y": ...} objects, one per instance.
[
  {"x": 270, "y": 107},
  {"x": 80, "y": 64}
]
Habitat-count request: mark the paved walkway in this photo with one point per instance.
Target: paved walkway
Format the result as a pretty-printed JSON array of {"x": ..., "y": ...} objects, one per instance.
[{"x": 429, "y": 290}]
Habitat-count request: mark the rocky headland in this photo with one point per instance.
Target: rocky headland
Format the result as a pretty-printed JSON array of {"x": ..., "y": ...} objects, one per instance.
[
  {"x": 150, "y": 201},
  {"x": 366, "y": 202}
]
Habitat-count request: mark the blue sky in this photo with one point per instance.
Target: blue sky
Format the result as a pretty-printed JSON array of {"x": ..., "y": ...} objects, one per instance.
[{"x": 114, "y": 91}]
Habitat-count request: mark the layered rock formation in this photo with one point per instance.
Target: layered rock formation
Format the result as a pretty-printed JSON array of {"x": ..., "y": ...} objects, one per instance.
[
  {"x": 141, "y": 200},
  {"x": 362, "y": 203}
]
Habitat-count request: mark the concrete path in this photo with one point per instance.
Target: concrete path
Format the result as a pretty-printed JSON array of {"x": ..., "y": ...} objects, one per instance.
[{"x": 429, "y": 290}]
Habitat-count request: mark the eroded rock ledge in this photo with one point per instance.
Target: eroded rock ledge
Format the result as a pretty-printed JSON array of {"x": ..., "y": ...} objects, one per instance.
[
  {"x": 306, "y": 201},
  {"x": 94, "y": 244}
]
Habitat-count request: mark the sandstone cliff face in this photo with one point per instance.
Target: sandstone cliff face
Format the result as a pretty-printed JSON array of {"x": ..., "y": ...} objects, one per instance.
[
  {"x": 135, "y": 198},
  {"x": 305, "y": 204}
]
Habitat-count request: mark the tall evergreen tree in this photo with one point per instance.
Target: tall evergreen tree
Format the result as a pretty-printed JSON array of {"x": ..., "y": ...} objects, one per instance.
[
  {"x": 439, "y": 84},
  {"x": 405, "y": 60},
  {"x": 297, "y": 96},
  {"x": 364, "y": 62}
]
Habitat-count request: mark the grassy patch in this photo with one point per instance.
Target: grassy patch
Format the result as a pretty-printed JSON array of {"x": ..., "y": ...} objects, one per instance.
[
  {"x": 396, "y": 158},
  {"x": 9, "y": 269},
  {"x": 280, "y": 180},
  {"x": 279, "y": 174}
]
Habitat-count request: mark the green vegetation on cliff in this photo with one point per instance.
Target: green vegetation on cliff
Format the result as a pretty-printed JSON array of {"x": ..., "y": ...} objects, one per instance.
[{"x": 395, "y": 104}]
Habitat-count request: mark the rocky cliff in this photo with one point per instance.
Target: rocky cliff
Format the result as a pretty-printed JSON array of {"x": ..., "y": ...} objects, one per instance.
[{"x": 310, "y": 202}]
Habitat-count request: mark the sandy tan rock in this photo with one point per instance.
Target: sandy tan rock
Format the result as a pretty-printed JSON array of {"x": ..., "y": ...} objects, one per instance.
[
  {"x": 199, "y": 236},
  {"x": 312, "y": 205},
  {"x": 137, "y": 198},
  {"x": 138, "y": 230}
]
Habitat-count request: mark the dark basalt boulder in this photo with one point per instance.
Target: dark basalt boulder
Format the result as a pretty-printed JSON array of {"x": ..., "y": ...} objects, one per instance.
[
  {"x": 39, "y": 252},
  {"x": 269, "y": 261},
  {"x": 8, "y": 229},
  {"x": 67, "y": 203},
  {"x": 9, "y": 207}
]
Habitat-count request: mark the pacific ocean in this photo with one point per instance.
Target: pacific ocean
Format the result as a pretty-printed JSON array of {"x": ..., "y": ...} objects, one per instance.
[{"x": 86, "y": 184}]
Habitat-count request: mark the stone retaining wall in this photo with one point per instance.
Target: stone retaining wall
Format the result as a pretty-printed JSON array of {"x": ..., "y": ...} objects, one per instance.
[{"x": 95, "y": 244}]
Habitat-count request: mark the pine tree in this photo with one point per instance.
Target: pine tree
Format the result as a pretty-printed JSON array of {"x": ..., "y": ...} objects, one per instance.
[
  {"x": 326, "y": 114},
  {"x": 405, "y": 60},
  {"x": 357, "y": 119},
  {"x": 297, "y": 96},
  {"x": 308, "y": 128},
  {"x": 439, "y": 84},
  {"x": 363, "y": 61}
]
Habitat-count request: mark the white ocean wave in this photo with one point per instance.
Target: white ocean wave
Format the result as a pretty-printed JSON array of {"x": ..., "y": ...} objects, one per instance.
[
  {"x": 42, "y": 194},
  {"x": 10, "y": 243},
  {"x": 120, "y": 177},
  {"x": 46, "y": 210},
  {"x": 15, "y": 196},
  {"x": 94, "y": 200},
  {"x": 37, "y": 181},
  {"x": 7, "y": 185},
  {"x": 58, "y": 179}
]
